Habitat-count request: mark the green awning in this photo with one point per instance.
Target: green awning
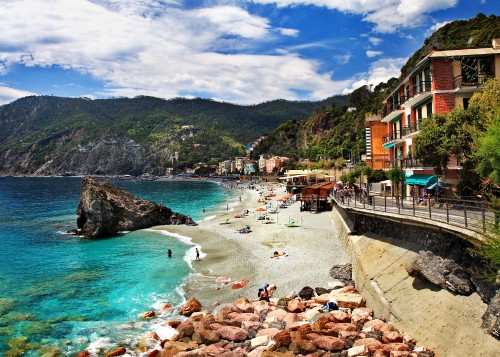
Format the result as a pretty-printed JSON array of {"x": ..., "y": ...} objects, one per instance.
[
  {"x": 388, "y": 146},
  {"x": 421, "y": 180}
]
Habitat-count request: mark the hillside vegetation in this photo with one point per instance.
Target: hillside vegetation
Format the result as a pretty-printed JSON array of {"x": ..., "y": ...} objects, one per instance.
[{"x": 54, "y": 135}]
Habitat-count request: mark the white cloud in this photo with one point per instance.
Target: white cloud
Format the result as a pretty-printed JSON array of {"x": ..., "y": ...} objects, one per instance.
[
  {"x": 375, "y": 40},
  {"x": 380, "y": 71},
  {"x": 387, "y": 15},
  {"x": 164, "y": 51},
  {"x": 8, "y": 94},
  {"x": 435, "y": 27},
  {"x": 371, "y": 54}
]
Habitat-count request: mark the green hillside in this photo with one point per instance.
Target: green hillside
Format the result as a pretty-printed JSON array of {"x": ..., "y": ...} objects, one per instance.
[{"x": 50, "y": 135}]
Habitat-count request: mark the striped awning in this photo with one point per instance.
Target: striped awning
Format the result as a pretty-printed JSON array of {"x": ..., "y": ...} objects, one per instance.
[{"x": 421, "y": 180}]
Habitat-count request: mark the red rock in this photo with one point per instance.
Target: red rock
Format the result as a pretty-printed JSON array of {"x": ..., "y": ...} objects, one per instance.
[
  {"x": 192, "y": 305},
  {"x": 394, "y": 347},
  {"x": 305, "y": 347},
  {"x": 363, "y": 310},
  {"x": 240, "y": 317},
  {"x": 304, "y": 330},
  {"x": 83, "y": 354},
  {"x": 262, "y": 307},
  {"x": 118, "y": 352},
  {"x": 339, "y": 316},
  {"x": 387, "y": 327},
  {"x": 282, "y": 339},
  {"x": 207, "y": 320},
  {"x": 350, "y": 335},
  {"x": 319, "y": 324},
  {"x": 348, "y": 289},
  {"x": 153, "y": 353},
  {"x": 173, "y": 324},
  {"x": 375, "y": 325},
  {"x": 148, "y": 314},
  {"x": 167, "y": 307},
  {"x": 380, "y": 353},
  {"x": 222, "y": 313},
  {"x": 392, "y": 336},
  {"x": 208, "y": 337},
  {"x": 342, "y": 327},
  {"x": 403, "y": 354},
  {"x": 329, "y": 343},
  {"x": 242, "y": 305},
  {"x": 271, "y": 332},
  {"x": 232, "y": 333},
  {"x": 296, "y": 306},
  {"x": 371, "y": 343},
  {"x": 185, "y": 329},
  {"x": 171, "y": 348},
  {"x": 277, "y": 354},
  {"x": 213, "y": 350}
]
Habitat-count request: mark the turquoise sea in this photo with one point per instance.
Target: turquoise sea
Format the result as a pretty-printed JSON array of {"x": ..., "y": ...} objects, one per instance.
[{"x": 72, "y": 293}]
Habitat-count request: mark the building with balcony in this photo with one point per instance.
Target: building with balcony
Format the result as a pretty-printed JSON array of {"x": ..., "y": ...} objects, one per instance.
[
  {"x": 375, "y": 133},
  {"x": 442, "y": 81}
]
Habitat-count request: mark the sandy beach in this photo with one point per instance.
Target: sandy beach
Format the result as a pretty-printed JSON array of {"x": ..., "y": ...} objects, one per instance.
[{"x": 311, "y": 249}]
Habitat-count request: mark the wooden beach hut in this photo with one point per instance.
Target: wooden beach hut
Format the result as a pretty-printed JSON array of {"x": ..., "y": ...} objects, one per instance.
[{"x": 316, "y": 197}]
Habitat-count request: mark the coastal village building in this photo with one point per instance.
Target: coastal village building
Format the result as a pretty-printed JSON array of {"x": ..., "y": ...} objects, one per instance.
[
  {"x": 240, "y": 163},
  {"x": 442, "y": 81}
]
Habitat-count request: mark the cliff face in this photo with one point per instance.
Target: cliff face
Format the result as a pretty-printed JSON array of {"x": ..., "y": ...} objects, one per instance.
[{"x": 104, "y": 210}]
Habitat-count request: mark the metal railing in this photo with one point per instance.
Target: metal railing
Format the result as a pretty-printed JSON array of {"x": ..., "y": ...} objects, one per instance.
[
  {"x": 406, "y": 163},
  {"x": 474, "y": 80},
  {"x": 470, "y": 214}
]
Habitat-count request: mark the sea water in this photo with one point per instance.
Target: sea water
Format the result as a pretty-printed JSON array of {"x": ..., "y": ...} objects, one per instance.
[{"x": 61, "y": 290}]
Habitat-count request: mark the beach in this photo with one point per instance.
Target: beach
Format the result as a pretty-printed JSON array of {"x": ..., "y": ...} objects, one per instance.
[{"x": 311, "y": 249}]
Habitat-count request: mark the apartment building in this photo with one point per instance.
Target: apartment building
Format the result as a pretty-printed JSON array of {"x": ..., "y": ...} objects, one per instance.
[{"x": 442, "y": 81}]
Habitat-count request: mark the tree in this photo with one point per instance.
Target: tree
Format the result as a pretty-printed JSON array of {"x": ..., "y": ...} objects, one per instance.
[{"x": 396, "y": 176}]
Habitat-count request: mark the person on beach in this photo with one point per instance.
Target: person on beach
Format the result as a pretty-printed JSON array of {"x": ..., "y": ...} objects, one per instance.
[
  {"x": 197, "y": 254},
  {"x": 263, "y": 296},
  {"x": 332, "y": 304},
  {"x": 263, "y": 288},
  {"x": 169, "y": 253}
]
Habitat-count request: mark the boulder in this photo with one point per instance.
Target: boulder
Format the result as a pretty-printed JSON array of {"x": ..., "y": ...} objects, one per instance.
[
  {"x": 342, "y": 273},
  {"x": 281, "y": 339},
  {"x": 306, "y": 293},
  {"x": 185, "y": 329},
  {"x": 371, "y": 343},
  {"x": 104, "y": 210},
  {"x": 361, "y": 350},
  {"x": 444, "y": 273},
  {"x": 243, "y": 305},
  {"x": 118, "y": 352},
  {"x": 305, "y": 346},
  {"x": 329, "y": 343},
  {"x": 173, "y": 348},
  {"x": 491, "y": 317},
  {"x": 232, "y": 333},
  {"x": 296, "y": 305},
  {"x": 192, "y": 305}
]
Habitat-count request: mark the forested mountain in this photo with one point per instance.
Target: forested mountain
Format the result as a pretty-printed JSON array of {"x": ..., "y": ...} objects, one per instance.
[
  {"x": 334, "y": 132},
  {"x": 54, "y": 135}
]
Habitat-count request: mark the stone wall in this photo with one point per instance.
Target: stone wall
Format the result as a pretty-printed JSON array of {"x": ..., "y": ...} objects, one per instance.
[{"x": 450, "y": 324}]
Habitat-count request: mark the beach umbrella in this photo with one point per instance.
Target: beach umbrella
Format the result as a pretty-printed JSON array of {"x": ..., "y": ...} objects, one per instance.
[{"x": 260, "y": 209}]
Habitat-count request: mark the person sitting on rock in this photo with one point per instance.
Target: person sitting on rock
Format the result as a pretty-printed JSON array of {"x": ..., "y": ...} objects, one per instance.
[
  {"x": 263, "y": 294},
  {"x": 332, "y": 304}
]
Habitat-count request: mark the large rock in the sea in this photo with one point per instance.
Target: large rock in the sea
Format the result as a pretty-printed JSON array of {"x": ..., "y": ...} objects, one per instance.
[{"x": 104, "y": 210}]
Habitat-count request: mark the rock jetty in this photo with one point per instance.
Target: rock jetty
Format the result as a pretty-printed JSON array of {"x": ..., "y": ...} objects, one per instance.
[
  {"x": 282, "y": 327},
  {"x": 104, "y": 210}
]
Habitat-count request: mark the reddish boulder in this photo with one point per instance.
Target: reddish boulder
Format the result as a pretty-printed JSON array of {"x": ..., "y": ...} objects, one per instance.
[
  {"x": 358, "y": 351},
  {"x": 281, "y": 339},
  {"x": 296, "y": 306},
  {"x": 185, "y": 329},
  {"x": 329, "y": 343},
  {"x": 339, "y": 316},
  {"x": 192, "y": 305},
  {"x": 305, "y": 347},
  {"x": 173, "y": 324},
  {"x": 304, "y": 330},
  {"x": 83, "y": 354},
  {"x": 392, "y": 336},
  {"x": 232, "y": 333},
  {"x": 172, "y": 348},
  {"x": 242, "y": 305},
  {"x": 208, "y": 337},
  {"x": 374, "y": 325},
  {"x": 371, "y": 343},
  {"x": 394, "y": 347},
  {"x": 118, "y": 352},
  {"x": 148, "y": 314}
]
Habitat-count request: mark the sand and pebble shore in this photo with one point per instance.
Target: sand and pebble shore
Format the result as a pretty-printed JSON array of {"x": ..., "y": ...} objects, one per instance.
[{"x": 311, "y": 249}]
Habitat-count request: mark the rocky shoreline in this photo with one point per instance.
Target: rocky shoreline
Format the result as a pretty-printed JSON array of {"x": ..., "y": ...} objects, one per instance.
[{"x": 288, "y": 326}]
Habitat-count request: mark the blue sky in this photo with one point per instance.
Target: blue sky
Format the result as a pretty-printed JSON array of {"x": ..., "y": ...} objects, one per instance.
[{"x": 236, "y": 51}]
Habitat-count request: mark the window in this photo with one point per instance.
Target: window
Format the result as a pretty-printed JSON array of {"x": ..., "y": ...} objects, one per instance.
[
  {"x": 429, "y": 110},
  {"x": 466, "y": 103},
  {"x": 419, "y": 113},
  {"x": 427, "y": 74},
  {"x": 469, "y": 71},
  {"x": 484, "y": 66}
]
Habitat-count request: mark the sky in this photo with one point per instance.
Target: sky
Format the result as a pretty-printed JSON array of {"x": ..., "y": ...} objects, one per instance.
[{"x": 236, "y": 51}]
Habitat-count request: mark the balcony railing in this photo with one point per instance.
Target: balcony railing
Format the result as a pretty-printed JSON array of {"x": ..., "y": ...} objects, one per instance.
[
  {"x": 407, "y": 163},
  {"x": 471, "y": 80},
  {"x": 412, "y": 127}
]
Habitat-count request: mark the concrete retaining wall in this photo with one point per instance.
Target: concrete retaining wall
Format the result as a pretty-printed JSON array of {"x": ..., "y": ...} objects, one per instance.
[{"x": 447, "y": 323}]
